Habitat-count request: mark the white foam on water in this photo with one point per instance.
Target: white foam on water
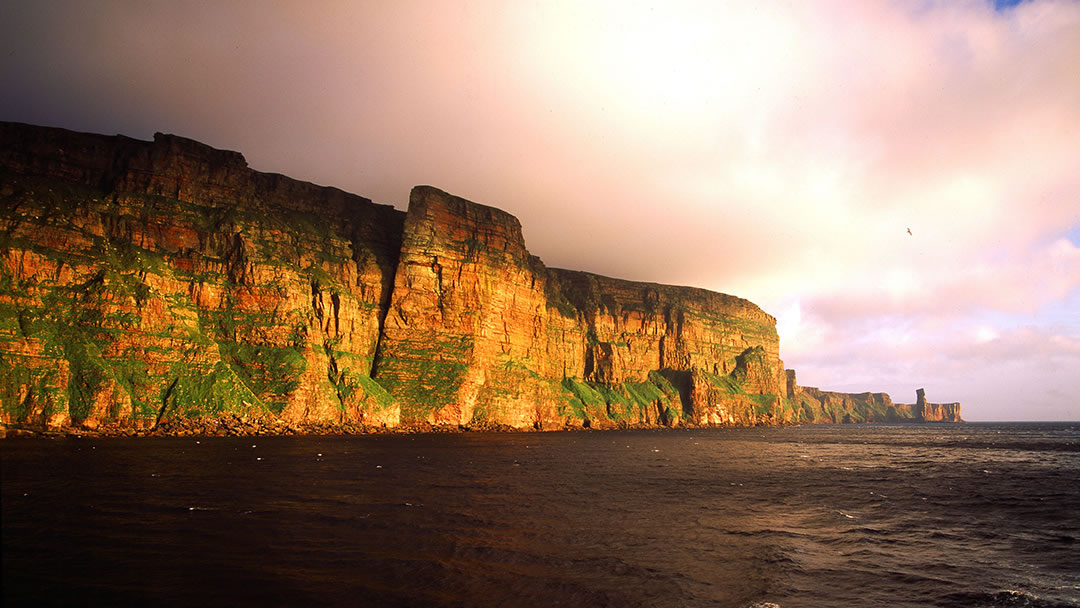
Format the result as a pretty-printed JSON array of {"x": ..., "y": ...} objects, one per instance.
[{"x": 1015, "y": 593}]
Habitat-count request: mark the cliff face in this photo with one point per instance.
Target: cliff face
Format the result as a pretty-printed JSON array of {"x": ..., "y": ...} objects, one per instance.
[
  {"x": 836, "y": 408},
  {"x": 478, "y": 331},
  {"x": 142, "y": 283},
  {"x": 924, "y": 411},
  {"x": 464, "y": 337},
  {"x": 151, "y": 284}
]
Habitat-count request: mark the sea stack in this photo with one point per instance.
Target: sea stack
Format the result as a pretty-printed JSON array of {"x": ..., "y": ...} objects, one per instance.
[{"x": 165, "y": 287}]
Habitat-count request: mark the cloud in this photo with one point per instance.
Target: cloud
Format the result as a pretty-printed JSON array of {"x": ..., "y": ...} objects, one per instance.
[
  {"x": 1002, "y": 373},
  {"x": 951, "y": 289},
  {"x": 778, "y": 151}
]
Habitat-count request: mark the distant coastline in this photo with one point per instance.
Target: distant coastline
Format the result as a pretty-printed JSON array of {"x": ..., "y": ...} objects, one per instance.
[{"x": 164, "y": 288}]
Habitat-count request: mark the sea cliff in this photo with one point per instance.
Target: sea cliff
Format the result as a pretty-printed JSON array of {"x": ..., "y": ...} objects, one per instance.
[{"x": 165, "y": 287}]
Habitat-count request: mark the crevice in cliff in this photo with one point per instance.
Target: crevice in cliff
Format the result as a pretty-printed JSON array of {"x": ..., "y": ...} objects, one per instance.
[
  {"x": 236, "y": 260},
  {"x": 335, "y": 302},
  {"x": 317, "y": 301},
  {"x": 384, "y": 310},
  {"x": 335, "y": 376},
  {"x": 681, "y": 380},
  {"x": 437, "y": 269},
  {"x": 173, "y": 243},
  {"x": 387, "y": 252},
  {"x": 165, "y": 402}
]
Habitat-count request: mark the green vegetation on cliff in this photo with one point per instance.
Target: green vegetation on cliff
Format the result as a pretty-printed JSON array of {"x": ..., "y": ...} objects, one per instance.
[
  {"x": 652, "y": 402},
  {"x": 124, "y": 306},
  {"x": 424, "y": 375},
  {"x": 145, "y": 283}
]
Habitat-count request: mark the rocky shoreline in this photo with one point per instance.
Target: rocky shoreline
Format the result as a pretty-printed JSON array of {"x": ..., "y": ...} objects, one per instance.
[
  {"x": 164, "y": 287},
  {"x": 239, "y": 427}
]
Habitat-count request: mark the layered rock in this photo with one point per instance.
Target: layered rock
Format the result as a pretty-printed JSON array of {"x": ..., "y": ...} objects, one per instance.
[
  {"x": 819, "y": 406},
  {"x": 145, "y": 281},
  {"x": 150, "y": 284},
  {"x": 463, "y": 339},
  {"x": 480, "y": 331},
  {"x": 924, "y": 411}
]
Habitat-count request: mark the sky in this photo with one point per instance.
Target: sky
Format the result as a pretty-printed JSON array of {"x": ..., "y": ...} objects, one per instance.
[{"x": 778, "y": 151}]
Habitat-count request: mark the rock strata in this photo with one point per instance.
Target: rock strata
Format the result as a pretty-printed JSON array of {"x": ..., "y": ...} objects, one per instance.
[
  {"x": 165, "y": 288},
  {"x": 923, "y": 411}
]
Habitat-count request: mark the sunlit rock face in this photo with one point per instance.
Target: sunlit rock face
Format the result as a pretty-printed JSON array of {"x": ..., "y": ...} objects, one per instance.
[
  {"x": 144, "y": 282},
  {"x": 166, "y": 286},
  {"x": 845, "y": 408},
  {"x": 465, "y": 336},
  {"x": 924, "y": 411},
  {"x": 479, "y": 331}
]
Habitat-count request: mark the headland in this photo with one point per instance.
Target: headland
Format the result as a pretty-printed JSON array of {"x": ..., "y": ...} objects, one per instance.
[{"x": 164, "y": 287}]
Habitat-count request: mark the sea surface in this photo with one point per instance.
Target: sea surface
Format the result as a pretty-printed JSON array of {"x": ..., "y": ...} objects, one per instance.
[{"x": 966, "y": 515}]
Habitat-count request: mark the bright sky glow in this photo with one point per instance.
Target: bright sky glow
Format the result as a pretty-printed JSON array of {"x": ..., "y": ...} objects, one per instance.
[{"x": 778, "y": 151}]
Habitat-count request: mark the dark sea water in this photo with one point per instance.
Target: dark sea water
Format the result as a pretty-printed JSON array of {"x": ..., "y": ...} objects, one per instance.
[{"x": 964, "y": 515}]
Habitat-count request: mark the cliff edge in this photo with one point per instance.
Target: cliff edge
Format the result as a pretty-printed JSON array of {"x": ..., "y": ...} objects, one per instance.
[{"x": 166, "y": 287}]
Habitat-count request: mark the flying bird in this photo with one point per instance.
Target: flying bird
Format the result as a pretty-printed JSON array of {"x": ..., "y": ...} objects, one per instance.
[{"x": 909, "y": 232}]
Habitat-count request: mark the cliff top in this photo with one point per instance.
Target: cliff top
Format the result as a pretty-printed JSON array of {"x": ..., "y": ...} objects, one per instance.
[
  {"x": 659, "y": 293},
  {"x": 170, "y": 164}
]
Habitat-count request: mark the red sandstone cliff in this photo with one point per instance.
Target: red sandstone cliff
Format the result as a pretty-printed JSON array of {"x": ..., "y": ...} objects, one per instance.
[
  {"x": 924, "y": 411},
  {"x": 151, "y": 284},
  {"x": 480, "y": 331},
  {"x": 146, "y": 282}
]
